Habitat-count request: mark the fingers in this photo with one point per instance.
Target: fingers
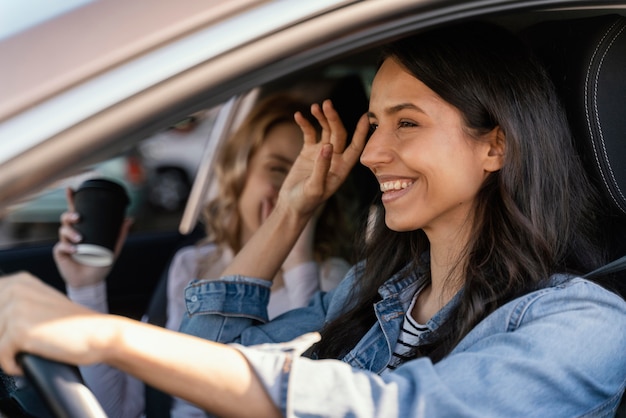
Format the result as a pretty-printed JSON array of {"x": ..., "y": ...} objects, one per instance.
[
  {"x": 338, "y": 132},
  {"x": 12, "y": 288},
  {"x": 317, "y": 181},
  {"x": 309, "y": 132},
  {"x": 67, "y": 232},
  {"x": 354, "y": 150},
  {"x": 333, "y": 131},
  {"x": 39, "y": 319},
  {"x": 8, "y": 362},
  {"x": 327, "y": 163},
  {"x": 318, "y": 114},
  {"x": 68, "y": 236}
]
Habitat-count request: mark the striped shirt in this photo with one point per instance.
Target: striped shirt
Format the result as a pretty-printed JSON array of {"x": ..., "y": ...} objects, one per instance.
[{"x": 408, "y": 338}]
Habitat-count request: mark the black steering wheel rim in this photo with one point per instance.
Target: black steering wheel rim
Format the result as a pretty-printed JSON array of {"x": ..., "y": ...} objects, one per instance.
[{"x": 61, "y": 387}]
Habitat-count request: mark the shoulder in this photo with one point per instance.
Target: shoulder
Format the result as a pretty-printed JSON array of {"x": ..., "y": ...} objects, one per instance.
[
  {"x": 185, "y": 262},
  {"x": 570, "y": 312},
  {"x": 573, "y": 328},
  {"x": 192, "y": 252},
  {"x": 569, "y": 294}
]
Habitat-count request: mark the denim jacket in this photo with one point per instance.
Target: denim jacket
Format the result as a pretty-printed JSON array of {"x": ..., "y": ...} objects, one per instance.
[{"x": 556, "y": 352}]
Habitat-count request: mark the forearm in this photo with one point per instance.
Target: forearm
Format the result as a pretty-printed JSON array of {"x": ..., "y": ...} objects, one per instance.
[
  {"x": 214, "y": 376},
  {"x": 264, "y": 254}
]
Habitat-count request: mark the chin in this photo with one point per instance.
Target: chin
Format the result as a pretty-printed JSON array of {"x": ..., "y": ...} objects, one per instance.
[{"x": 400, "y": 226}]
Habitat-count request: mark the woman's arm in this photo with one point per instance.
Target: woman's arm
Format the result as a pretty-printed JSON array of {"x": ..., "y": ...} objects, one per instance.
[{"x": 36, "y": 318}]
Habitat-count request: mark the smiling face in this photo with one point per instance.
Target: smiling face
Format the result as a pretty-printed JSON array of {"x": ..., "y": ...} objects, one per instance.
[
  {"x": 428, "y": 166},
  {"x": 267, "y": 170}
]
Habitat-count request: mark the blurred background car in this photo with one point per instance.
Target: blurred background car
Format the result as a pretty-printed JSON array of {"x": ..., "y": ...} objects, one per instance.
[
  {"x": 171, "y": 159},
  {"x": 38, "y": 216}
]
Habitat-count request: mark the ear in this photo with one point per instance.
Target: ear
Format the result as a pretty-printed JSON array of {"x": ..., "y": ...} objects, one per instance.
[{"x": 496, "y": 142}]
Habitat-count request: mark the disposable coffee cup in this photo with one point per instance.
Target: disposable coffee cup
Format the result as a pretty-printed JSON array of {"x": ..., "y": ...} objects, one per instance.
[{"x": 101, "y": 205}]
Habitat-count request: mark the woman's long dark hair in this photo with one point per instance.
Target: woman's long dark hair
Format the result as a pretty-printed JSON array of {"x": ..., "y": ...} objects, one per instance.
[{"x": 532, "y": 217}]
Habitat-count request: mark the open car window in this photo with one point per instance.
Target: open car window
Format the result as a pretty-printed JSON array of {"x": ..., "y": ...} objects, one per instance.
[{"x": 157, "y": 175}]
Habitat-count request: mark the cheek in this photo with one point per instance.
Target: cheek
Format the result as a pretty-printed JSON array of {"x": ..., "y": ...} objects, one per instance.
[
  {"x": 462, "y": 183},
  {"x": 257, "y": 189},
  {"x": 271, "y": 183},
  {"x": 246, "y": 202}
]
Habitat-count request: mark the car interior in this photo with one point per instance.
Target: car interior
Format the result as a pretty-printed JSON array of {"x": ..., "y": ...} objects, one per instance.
[{"x": 586, "y": 58}]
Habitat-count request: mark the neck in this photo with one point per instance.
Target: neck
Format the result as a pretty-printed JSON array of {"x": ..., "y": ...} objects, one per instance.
[
  {"x": 446, "y": 273},
  {"x": 447, "y": 262}
]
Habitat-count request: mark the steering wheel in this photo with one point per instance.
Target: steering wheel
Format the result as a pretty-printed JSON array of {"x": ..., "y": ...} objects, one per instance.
[{"x": 61, "y": 387}]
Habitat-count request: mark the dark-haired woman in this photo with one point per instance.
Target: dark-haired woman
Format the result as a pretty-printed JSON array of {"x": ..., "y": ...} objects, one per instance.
[{"x": 468, "y": 301}]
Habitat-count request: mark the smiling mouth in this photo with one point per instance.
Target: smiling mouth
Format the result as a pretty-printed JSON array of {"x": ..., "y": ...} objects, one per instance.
[{"x": 394, "y": 185}]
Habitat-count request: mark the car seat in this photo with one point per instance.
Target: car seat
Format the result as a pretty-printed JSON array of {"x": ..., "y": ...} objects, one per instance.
[{"x": 586, "y": 59}]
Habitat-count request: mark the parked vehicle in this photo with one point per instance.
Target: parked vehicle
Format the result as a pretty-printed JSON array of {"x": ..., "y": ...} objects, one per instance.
[
  {"x": 77, "y": 92},
  {"x": 172, "y": 157}
]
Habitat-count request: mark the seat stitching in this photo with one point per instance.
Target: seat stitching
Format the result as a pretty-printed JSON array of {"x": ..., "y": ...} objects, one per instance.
[{"x": 595, "y": 104}]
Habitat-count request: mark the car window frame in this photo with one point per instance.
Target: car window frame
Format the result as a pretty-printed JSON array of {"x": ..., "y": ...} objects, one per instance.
[{"x": 352, "y": 27}]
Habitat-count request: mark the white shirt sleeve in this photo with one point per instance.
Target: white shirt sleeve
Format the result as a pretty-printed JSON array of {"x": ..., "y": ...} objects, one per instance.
[
  {"x": 182, "y": 270},
  {"x": 119, "y": 394},
  {"x": 301, "y": 283}
]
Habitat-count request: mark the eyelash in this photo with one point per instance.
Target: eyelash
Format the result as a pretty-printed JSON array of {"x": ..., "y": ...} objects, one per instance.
[
  {"x": 401, "y": 124},
  {"x": 407, "y": 124}
]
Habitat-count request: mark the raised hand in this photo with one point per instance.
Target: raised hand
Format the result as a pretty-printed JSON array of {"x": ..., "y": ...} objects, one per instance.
[
  {"x": 74, "y": 273},
  {"x": 316, "y": 174},
  {"x": 323, "y": 165}
]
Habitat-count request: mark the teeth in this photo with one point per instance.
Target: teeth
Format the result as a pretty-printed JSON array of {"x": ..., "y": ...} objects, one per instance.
[{"x": 394, "y": 185}]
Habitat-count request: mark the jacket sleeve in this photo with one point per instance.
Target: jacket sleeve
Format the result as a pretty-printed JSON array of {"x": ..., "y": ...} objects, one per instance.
[{"x": 234, "y": 309}]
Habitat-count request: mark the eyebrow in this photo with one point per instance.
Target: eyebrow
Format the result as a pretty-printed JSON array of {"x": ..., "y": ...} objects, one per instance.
[{"x": 397, "y": 108}]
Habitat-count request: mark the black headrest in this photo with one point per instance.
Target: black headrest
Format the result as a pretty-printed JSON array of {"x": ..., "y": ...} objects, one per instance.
[{"x": 587, "y": 61}]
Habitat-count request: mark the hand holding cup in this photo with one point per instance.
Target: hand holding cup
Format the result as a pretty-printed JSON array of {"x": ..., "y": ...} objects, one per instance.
[{"x": 101, "y": 205}]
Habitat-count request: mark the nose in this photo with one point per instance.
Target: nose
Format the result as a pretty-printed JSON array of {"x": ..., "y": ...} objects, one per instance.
[{"x": 377, "y": 151}]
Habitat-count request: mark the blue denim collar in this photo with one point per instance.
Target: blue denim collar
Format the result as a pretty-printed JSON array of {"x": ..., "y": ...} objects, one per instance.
[{"x": 403, "y": 285}]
